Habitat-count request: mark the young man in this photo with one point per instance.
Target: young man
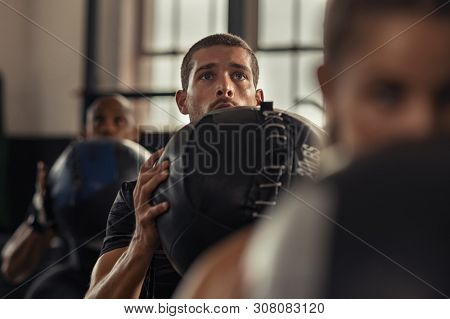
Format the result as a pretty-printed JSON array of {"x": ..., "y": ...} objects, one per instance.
[
  {"x": 219, "y": 71},
  {"x": 109, "y": 116},
  {"x": 386, "y": 79}
]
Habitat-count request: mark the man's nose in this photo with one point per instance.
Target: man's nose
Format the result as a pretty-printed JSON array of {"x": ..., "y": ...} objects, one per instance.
[
  {"x": 422, "y": 119},
  {"x": 225, "y": 88},
  {"x": 108, "y": 128}
]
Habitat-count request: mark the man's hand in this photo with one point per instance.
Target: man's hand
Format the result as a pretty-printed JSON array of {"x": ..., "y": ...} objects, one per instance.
[
  {"x": 120, "y": 273},
  {"x": 150, "y": 177},
  {"x": 26, "y": 247}
]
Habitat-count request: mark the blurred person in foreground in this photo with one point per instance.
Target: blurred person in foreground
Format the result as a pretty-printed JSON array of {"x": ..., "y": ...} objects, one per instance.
[{"x": 385, "y": 80}]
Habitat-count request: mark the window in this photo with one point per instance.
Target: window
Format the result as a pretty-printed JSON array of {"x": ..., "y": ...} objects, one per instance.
[
  {"x": 289, "y": 51},
  {"x": 169, "y": 28}
]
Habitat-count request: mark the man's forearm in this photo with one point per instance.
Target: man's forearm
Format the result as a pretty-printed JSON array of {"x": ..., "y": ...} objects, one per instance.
[
  {"x": 126, "y": 277},
  {"x": 23, "y": 252},
  {"x": 120, "y": 273}
]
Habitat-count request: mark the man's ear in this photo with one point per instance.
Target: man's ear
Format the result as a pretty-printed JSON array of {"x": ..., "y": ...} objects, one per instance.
[
  {"x": 180, "y": 97},
  {"x": 259, "y": 96},
  {"x": 324, "y": 78},
  {"x": 326, "y": 86}
]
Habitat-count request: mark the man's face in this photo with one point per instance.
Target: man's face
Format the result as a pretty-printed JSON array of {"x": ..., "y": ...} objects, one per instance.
[
  {"x": 221, "y": 77},
  {"x": 401, "y": 91},
  {"x": 110, "y": 118}
]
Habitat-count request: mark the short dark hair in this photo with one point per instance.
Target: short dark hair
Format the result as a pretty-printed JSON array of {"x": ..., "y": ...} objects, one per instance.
[
  {"x": 225, "y": 39},
  {"x": 341, "y": 15}
]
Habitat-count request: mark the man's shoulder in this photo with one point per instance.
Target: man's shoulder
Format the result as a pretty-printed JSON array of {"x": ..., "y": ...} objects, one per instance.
[{"x": 121, "y": 219}]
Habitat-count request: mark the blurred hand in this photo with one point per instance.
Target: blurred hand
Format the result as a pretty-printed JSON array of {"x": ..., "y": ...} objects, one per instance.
[
  {"x": 40, "y": 192},
  {"x": 150, "y": 176}
]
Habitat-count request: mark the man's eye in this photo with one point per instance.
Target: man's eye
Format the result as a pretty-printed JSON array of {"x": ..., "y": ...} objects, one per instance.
[
  {"x": 239, "y": 76},
  {"x": 99, "y": 120},
  {"x": 207, "y": 76},
  {"x": 119, "y": 121},
  {"x": 387, "y": 95},
  {"x": 444, "y": 97}
]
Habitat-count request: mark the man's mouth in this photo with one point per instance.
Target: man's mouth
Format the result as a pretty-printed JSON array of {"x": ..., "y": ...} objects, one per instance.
[{"x": 222, "y": 105}]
